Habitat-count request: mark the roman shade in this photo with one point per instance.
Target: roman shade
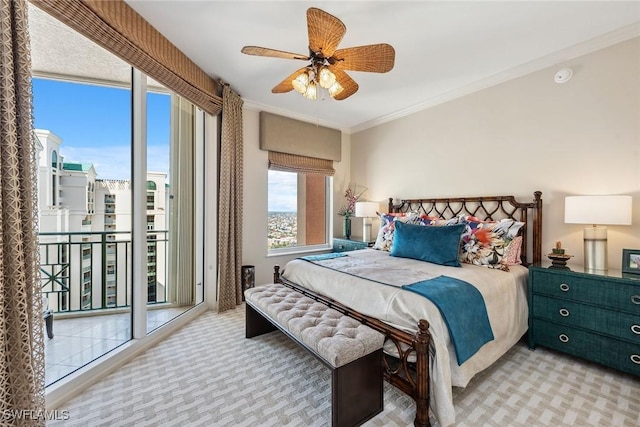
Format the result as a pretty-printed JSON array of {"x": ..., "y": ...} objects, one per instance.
[
  {"x": 290, "y": 136},
  {"x": 115, "y": 26},
  {"x": 300, "y": 164}
]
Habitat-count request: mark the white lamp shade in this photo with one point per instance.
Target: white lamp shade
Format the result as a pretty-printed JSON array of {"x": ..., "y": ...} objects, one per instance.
[
  {"x": 605, "y": 210},
  {"x": 366, "y": 209}
]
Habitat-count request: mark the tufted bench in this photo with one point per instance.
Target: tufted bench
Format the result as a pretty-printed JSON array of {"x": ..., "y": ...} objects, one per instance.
[{"x": 350, "y": 349}]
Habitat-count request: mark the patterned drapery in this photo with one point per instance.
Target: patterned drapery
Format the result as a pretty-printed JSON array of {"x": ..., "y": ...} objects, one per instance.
[
  {"x": 21, "y": 324},
  {"x": 230, "y": 202}
]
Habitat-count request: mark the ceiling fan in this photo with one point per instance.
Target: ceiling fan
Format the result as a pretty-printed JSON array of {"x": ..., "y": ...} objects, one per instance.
[{"x": 328, "y": 63}]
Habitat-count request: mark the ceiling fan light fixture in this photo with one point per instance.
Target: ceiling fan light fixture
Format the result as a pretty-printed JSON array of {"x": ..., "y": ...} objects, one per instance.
[
  {"x": 328, "y": 63},
  {"x": 335, "y": 89},
  {"x": 301, "y": 82},
  {"x": 327, "y": 78},
  {"x": 311, "y": 92}
]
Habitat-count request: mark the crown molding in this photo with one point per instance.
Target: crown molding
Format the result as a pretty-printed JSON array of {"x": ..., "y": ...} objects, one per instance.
[{"x": 609, "y": 39}]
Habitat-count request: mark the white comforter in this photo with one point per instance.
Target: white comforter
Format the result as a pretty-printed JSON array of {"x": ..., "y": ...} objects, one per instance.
[{"x": 504, "y": 294}]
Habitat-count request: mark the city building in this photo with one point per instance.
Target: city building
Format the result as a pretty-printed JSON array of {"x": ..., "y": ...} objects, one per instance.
[{"x": 88, "y": 219}]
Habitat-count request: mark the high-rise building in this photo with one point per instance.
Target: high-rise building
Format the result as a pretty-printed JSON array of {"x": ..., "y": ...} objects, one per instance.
[{"x": 85, "y": 233}]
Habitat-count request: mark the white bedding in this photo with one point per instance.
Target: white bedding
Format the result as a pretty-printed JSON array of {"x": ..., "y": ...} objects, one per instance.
[{"x": 504, "y": 294}]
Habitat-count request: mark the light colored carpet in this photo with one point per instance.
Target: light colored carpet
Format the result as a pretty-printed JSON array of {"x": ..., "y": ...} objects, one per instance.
[{"x": 208, "y": 374}]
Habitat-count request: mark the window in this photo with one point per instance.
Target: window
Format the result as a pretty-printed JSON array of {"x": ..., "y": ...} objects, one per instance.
[
  {"x": 91, "y": 188},
  {"x": 298, "y": 211},
  {"x": 151, "y": 187},
  {"x": 54, "y": 178}
]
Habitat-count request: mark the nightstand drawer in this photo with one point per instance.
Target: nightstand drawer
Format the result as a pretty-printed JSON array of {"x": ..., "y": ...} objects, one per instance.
[
  {"x": 610, "y": 322},
  {"x": 598, "y": 291},
  {"x": 608, "y": 351}
]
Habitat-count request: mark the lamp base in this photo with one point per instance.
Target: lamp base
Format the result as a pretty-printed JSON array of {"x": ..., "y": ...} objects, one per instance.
[
  {"x": 366, "y": 229},
  {"x": 595, "y": 249}
]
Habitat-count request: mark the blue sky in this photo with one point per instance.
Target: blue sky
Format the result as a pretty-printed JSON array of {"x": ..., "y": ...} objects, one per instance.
[
  {"x": 283, "y": 191},
  {"x": 94, "y": 123}
]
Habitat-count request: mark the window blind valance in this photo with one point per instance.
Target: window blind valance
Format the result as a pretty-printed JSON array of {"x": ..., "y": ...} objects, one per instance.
[
  {"x": 115, "y": 26},
  {"x": 286, "y": 135},
  {"x": 300, "y": 164}
]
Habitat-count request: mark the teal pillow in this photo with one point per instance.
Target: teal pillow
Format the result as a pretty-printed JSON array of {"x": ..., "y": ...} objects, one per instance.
[{"x": 436, "y": 244}]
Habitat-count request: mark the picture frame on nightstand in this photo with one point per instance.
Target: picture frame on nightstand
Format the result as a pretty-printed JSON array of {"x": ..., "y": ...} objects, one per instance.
[{"x": 631, "y": 261}]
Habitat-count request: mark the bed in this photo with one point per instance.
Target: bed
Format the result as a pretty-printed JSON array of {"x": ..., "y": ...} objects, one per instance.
[{"x": 421, "y": 357}]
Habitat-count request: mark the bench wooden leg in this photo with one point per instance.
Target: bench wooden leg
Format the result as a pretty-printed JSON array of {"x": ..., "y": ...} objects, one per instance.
[
  {"x": 357, "y": 391},
  {"x": 256, "y": 324}
]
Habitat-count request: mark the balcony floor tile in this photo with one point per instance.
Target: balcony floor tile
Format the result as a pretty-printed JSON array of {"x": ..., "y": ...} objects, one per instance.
[{"x": 78, "y": 341}]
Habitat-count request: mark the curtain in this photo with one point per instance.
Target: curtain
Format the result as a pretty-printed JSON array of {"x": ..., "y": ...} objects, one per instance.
[
  {"x": 181, "y": 235},
  {"x": 21, "y": 323},
  {"x": 118, "y": 28},
  {"x": 230, "y": 202}
]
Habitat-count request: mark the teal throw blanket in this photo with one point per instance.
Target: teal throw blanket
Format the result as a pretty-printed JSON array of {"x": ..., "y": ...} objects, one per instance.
[{"x": 463, "y": 310}]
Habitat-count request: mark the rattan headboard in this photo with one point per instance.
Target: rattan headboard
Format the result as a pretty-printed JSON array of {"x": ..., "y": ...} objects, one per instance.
[{"x": 486, "y": 208}]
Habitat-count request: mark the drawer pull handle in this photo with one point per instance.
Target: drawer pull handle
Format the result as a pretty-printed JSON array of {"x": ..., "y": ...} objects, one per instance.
[
  {"x": 635, "y": 329},
  {"x": 564, "y": 288},
  {"x": 564, "y": 338},
  {"x": 565, "y": 313},
  {"x": 635, "y": 358},
  {"x": 635, "y": 299}
]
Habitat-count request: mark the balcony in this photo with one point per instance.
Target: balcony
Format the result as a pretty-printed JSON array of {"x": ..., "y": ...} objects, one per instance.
[
  {"x": 80, "y": 340},
  {"x": 86, "y": 278}
]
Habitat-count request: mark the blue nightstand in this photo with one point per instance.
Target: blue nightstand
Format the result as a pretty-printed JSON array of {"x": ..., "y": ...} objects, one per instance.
[{"x": 352, "y": 244}]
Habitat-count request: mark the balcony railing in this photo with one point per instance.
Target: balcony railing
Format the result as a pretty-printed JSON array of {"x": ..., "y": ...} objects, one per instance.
[{"x": 85, "y": 271}]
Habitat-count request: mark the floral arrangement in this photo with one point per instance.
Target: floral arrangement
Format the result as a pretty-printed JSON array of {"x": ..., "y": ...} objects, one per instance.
[{"x": 352, "y": 197}]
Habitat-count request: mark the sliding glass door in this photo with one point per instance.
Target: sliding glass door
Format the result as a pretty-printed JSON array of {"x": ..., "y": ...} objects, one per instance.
[{"x": 120, "y": 198}]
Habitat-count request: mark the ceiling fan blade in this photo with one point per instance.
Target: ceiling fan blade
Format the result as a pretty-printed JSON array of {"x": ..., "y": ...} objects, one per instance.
[
  {"x": 272, "y": 53},
  {"x": 349, "y": 85},
  {"x": 325, "y": 32},
  {"x": 285, "y": 85},
  {"x": 375, "y": 58}
]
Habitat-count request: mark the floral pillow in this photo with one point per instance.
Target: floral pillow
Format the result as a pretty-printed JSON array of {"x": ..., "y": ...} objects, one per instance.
[
  {"x": 487, "y": 243},
  {"x": 513, "y": 252},
  {"x": 384, "y": 241}
]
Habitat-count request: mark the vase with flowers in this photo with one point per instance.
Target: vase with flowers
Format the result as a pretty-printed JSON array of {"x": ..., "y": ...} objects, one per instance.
[{"x": 348, "y": 210}]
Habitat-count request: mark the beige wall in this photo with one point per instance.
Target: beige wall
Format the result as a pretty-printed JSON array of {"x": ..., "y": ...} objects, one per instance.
[
  {"x": 527, "y": 134},
  {"x": 254, "y": 247}
]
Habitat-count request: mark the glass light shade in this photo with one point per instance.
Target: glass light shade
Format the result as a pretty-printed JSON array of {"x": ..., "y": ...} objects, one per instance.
[
  {"x": 335, "y": 89},
  {"x": 311, "y": 92},
  {"x": 301, "y": 82},
  {"x": 327, "y": 78},
  {"x": 605, "y": 210}
]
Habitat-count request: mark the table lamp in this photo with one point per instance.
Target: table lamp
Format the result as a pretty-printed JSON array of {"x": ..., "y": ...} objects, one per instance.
[
  {"x": 597, "y": 211},
  {"x": 366, "y": 210}
]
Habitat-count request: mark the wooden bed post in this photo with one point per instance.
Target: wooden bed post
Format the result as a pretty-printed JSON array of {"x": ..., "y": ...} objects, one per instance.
[
  {"x": 537, "y": 227},
  {"x": 276, "y": 274},
  {"x": 421, "y": 345}
]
